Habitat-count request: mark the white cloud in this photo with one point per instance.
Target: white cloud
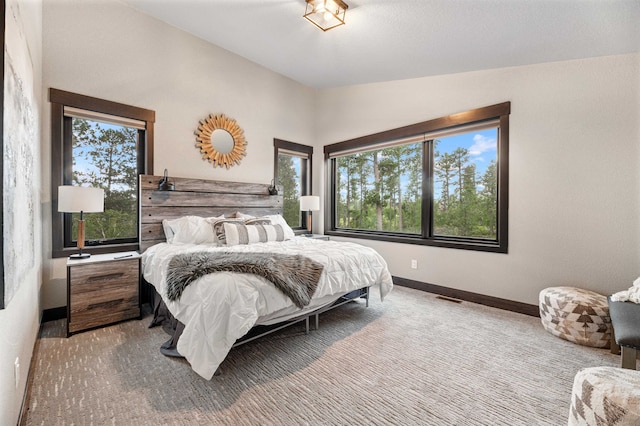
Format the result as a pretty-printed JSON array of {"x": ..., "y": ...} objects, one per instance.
[{"x": 482, "y": 144}]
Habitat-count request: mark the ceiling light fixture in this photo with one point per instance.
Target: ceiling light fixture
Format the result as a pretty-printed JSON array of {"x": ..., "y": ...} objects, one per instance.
[{"x": 326, "y": 14}]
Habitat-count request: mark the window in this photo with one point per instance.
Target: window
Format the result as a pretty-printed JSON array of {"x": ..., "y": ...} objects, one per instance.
[
  {"x": 442, "y": 182},
  {"x": 465, "y": 184},
  {"x": 105, "y": 145},
  {"x": 293, "y": 173}
]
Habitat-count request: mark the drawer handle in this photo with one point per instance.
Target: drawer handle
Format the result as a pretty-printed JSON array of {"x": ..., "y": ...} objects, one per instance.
[
  {"x": 106, "y": 305},
  {"x": 107, "y": 276}
]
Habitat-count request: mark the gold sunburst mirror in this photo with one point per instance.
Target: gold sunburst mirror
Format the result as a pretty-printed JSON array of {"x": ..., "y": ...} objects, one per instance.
[{"x": 221, "y": 140}]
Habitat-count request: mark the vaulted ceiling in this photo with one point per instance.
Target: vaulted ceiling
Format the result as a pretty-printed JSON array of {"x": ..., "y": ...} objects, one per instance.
[{"x": 398, "y": 39}]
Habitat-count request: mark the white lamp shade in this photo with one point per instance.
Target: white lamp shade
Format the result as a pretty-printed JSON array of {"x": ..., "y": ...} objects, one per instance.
[
  {"x": 309, "y": 202},
  {"x": 75, "y": 199}
]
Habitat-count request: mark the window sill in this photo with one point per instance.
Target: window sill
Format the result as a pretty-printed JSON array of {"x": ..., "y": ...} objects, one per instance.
[
  {"x": 486, "y": 246},
  {"x": 112, "y": 248}
]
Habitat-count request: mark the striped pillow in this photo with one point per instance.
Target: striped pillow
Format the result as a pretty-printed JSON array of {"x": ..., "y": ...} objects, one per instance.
[
  {"x": 218, "y": 226},
  {"x": 239, "y": 233}
]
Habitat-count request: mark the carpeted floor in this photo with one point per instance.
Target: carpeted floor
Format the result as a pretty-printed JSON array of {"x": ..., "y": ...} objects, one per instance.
[{"x": 413, "y": 359}]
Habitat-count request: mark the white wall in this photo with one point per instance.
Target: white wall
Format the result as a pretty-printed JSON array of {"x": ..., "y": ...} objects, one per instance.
[
  {"x": 110, "y": 51},
  {"x": 573, "y": 175},
  {"x": 20, "y": 321},
  {"x": 574, "y": 184}
]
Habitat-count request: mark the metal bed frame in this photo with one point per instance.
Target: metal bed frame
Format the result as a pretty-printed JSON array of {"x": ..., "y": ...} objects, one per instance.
[{"x": 349, "y": 297}]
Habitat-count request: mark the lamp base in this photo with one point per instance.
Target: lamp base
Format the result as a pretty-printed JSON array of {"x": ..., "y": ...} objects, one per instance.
[{"x": 80, "y": 256}]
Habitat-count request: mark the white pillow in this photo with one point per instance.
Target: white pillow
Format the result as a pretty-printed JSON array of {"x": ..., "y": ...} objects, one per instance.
[
  {"x": 239, "y": 233},
  {"x": 168, "y": 232},
  {"x": 189, "y": 230},
  {"x": 238, "y": 215}
]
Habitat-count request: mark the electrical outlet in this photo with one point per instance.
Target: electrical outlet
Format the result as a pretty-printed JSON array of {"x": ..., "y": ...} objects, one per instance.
[
  {"x": 414, "y": 264},
  {"x": 17, "y": 371}
]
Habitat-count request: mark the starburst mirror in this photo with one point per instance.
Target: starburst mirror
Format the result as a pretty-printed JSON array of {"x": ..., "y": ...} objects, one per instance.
[{"x": 221, "y": 140}]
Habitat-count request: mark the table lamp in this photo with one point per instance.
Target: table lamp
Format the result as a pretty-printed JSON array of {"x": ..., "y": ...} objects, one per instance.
[
  {"x": 74, "y": 199},
  {"x": 309, "y": 203}
]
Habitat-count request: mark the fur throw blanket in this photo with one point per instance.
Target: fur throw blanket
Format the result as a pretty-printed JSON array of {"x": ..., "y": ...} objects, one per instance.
[
  {"x": 294, "y": 275},
  {"x": 631, "y": 295}
]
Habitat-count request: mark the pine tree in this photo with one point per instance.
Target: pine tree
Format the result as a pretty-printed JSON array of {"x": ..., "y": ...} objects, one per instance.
[
  {"x": 105, "y": 156},
  {"x": 489, "y": 198},
  {"x": 288, "y": 179}
]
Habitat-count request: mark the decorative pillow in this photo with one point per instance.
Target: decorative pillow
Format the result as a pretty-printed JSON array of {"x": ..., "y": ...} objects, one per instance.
[
  {"x": 189, "y": 230},
  {"x": 277, "y": 219},
  {"x": 217, "y": 225},
  {"x": 239, "y": 233},
  {"x": 258, "y": 221},
  {"x": 238, "y": 215}
]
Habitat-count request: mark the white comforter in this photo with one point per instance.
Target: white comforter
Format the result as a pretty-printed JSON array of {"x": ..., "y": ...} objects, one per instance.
[{"x": 219, "y": 308}]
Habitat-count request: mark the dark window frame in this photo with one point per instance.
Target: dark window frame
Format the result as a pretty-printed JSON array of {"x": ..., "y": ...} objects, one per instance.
[
  {"x": 61, "y": 164},
  {"x": 305, "y": 151},
  {"x": 499, "y": 112}
]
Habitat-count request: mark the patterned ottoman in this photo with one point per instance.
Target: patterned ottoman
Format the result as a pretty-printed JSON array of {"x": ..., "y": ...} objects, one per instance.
[
  {"x": 605, "y": 396},
  {"x": 577, "y": 315}
]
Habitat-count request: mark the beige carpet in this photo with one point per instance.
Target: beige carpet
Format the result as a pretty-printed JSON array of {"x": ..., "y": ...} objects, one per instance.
[{"x": 413, "y": 359}]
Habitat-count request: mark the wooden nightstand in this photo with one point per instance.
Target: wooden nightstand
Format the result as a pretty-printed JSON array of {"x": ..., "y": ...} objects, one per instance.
[{"x": 102, "y": 290}]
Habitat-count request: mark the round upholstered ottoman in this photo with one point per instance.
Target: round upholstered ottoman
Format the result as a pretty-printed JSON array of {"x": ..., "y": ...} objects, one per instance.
[
  {"x": 580, "y": 316},
  {"x": 605, "y": 396}
]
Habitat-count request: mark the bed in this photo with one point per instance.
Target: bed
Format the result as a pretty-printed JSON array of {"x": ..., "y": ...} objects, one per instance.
[{"x": 194, "y": 267}]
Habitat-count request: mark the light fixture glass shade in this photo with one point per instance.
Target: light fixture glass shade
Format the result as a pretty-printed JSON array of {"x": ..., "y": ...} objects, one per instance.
[
  {"x": 326, "y": 14},
  {"x": 75, "y": 199},
  {"x": 309, "y": 203}
]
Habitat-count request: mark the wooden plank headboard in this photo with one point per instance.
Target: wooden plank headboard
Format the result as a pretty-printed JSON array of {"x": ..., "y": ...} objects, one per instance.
[{"x": 198, "y": 197}]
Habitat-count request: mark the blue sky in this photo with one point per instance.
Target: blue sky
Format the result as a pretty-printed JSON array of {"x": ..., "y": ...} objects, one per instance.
[{"x": 482, "y": 146}]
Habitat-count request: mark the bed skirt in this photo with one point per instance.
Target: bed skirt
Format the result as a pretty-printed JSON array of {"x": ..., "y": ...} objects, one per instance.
[{"x": 174, "y": 328}]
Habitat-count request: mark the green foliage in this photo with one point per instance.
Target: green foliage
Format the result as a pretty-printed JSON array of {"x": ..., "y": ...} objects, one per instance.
[
  {"x": 105, "y": 156},
  {"x": 466, "y": 211},
  {"x": 289, "y": 179},
  {"x": 382, "y": 191},
  {"x": 107, "y": 225}
]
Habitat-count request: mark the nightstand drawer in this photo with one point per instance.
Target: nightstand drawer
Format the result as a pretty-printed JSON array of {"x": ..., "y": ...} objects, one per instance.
[
  {"x": 102, "y": 293},
  {"x": 110, "y": 295},
  {"x": 84, "y": 320},
  {"x": 102, "y": 279}
]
